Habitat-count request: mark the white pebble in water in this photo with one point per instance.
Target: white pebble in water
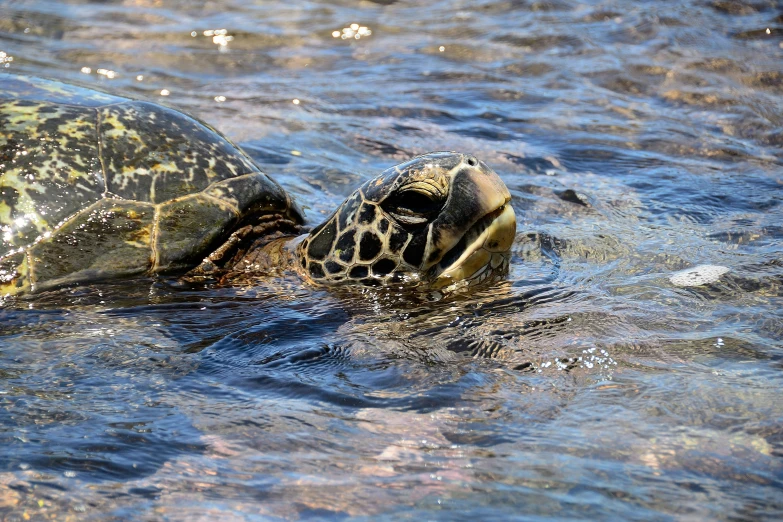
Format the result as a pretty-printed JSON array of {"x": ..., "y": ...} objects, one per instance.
[{"x": 698, "y": 275}]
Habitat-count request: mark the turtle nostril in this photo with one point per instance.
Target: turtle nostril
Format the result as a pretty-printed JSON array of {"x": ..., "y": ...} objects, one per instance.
[{"x": 472, "y": 161}]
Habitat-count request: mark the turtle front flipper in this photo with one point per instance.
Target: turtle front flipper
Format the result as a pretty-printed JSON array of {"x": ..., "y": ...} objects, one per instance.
[{"x": 247, "y": 251}]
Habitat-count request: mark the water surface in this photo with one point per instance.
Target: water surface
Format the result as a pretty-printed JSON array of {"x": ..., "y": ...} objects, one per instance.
[{"x": 637, "y": 138}]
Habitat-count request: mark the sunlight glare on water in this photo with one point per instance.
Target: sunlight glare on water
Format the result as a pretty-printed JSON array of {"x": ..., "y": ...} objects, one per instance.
[{"x": 629, "y": 367}]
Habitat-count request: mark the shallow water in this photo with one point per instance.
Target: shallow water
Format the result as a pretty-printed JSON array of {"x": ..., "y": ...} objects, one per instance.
[{"x": 637, "y": 139}]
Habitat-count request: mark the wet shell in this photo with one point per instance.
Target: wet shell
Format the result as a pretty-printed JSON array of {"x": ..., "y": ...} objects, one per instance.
[{"x": 94, "y": 186}]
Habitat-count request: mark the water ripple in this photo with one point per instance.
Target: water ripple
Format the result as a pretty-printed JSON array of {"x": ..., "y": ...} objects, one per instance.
[{"x": 637, "y": 140}]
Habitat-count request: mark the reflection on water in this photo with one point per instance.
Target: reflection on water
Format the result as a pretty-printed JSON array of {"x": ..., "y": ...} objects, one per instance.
[{"x": 638, "y": 140}]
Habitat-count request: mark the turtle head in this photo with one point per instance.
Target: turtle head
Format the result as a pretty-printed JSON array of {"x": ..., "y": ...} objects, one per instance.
[{"x": 439, "y": 219}]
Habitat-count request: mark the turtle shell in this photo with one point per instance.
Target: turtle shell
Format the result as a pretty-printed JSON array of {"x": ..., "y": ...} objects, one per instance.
[{"x": 96, "y": 186}]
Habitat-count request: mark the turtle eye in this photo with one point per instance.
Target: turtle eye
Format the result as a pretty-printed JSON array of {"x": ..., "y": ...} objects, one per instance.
[{"x": 412, "y": 208}]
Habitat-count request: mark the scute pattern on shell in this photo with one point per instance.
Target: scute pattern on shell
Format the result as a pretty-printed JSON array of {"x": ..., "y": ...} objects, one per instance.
[
  {"x": 152, "y": 153},
  {"x": 96, "y": 185},
  {"x": 43, "y": 179}
]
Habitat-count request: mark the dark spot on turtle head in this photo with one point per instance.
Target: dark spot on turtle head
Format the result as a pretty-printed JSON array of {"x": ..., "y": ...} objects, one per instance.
[
  {"x": 303, "y": 261},
  {"x": 383, "y": 267},
  {"x": 346, "y": 244},
  {"x": 370, "y": 282},
  {"x": 367, "y": 214},
  {"x": 433, "y": 256},
  {"x": 333, "y": 267},
  {"x": 383, "y": 225},
  {"x": 358, "y": 272},
  {"x": 321, "y": 240},
  {"x": 397, "y": 240},
  {"x": 414, "y": 252},
  {"x": 369, "y": 246},
  {"x": 493, "y": 244},
  {"x": 316, "y": 271}
]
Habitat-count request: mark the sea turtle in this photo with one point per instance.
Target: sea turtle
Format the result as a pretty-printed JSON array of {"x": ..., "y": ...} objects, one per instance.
[{"x": 94, "y": 186}]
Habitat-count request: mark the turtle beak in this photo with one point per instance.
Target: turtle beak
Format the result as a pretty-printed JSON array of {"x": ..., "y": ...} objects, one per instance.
[
  {"x": 481, "y": 248},
  {"x": 485, "y": 252}
]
